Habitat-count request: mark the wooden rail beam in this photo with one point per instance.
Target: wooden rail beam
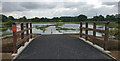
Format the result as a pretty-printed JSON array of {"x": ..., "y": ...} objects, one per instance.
[
  {"x": 93, "y": 37},
  {"x": 23, "y": 30},
  {"x": 24, "y": 38},
  {"x": 97, "y": 30}
]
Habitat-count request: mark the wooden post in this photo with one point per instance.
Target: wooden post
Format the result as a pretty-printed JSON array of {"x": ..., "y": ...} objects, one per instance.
[
  {"x": 86, "y": 31},
  {"x": 22, "y": 34},
  {"x": 80, "y": 29},
  {"x": 14, "y": 42},
  {"x": 106, "y": 36},
  {"x": 94, "y": 32},
  {"x": 14, "y": 29},
  {"x": 27, "y": 32},
  {"x": 31, "y": 30}
]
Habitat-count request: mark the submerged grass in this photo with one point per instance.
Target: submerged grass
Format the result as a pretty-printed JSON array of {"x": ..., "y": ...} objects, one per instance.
[
  {"x": 113, "y": 25},
  {"x": 3, "y": 29},
  {"x": 115, "y": 32},
  {"x": 43, "y": 22},
  {"x": 43, "y": 27},
  {"x": 60, "y": 28},
  {"x": 5, "y": 34},
  {"x": 59, "y": 24}
]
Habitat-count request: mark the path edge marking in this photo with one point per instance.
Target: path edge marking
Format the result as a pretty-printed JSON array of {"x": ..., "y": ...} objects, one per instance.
[
  {"x": 21, "y": 49},
  {"x": 98, "y": 47}
]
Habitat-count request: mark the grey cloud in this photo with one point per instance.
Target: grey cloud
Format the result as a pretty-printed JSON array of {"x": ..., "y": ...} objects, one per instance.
[
  {"x": 89, "y": 10},
  {"x": 81, "y": 9},
  {"x": 73, "y": 4},
  {"x": 29, "y": 5},
  {"x": 110, "y": 3},
  {"x": 23, "y": 6},
  {"x": 38, "y": 5},
  {"x": 10, "y": 7},
  {"x": 42, "y": 7}
]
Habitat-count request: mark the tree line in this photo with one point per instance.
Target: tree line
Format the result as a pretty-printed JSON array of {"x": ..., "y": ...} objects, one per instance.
[{"x": 61, "y": 19}]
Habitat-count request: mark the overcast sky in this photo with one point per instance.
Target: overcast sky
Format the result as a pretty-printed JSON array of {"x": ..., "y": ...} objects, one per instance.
[{"x": 55, "y": 8}]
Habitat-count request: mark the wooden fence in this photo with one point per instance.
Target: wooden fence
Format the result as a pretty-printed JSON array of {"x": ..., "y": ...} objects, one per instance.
[
  {"x": 19, "y": 37},
  {"x": 93, "y": 37}
]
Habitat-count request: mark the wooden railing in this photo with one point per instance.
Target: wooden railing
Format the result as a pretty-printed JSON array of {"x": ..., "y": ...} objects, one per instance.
[
  {"x": 93, "y": 37},
  {"x": 19, "y": 37}
]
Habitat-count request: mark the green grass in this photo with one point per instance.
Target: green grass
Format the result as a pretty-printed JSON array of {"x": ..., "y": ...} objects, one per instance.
[
  {"x": 5, "y": 34},
  {"x": 71, "y": 22},
  {"x": 55, "y": 22},
  {"x": 60, "y": 24},
  {"x": 2, "y": 23},
  {"x": 115, "y": 33},
  {"x": 60, "y": 28},
  {"x": 44, "y": 22},
  {"x": 43, "y": 27},
  {"x": 113, "y": 25},
  {"x": 5, "y": 28}
]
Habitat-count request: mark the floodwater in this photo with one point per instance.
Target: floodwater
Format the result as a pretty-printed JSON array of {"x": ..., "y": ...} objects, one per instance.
[{"x": 52, "y": 29}]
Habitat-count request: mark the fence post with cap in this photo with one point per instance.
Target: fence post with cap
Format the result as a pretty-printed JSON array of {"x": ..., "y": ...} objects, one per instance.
[{"x": 14, "y": 29}]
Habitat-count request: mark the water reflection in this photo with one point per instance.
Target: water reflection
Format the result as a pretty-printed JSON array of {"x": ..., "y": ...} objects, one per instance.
[{"x": 52, "y": 29}]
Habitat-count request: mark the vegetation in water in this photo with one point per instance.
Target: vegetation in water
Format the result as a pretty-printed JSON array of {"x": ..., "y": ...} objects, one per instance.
[
  {"x": 114, "y": 32},
  {"x": 5, "y": 34},
  {"x": 113, "y": 25},
  {"x": 113, "y": 19},
  {"x": 3, "y": 29},
  {"x": 6, "y": 25},
  {"x": 59, "y": 24},
  {"x": 60, "y": 28},
  {"x": 42, "y": 27}
]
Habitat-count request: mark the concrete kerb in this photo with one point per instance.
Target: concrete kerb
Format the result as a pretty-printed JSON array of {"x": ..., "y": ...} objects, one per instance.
[
  {"x": 98, "y": 47},
  {"x": 20, "y": 50}
]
